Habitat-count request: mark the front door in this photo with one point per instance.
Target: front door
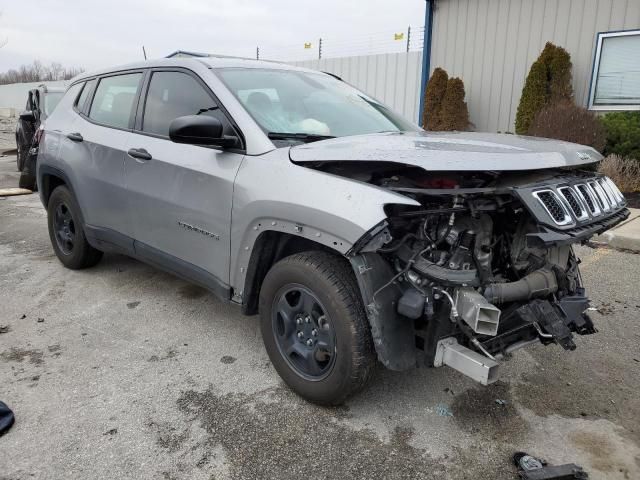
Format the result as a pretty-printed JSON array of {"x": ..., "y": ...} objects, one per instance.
[{"x": 179, "y": 196}]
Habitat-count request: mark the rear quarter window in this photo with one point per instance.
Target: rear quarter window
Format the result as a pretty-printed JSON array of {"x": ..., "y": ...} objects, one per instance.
[{"x": 82, "y": 99}]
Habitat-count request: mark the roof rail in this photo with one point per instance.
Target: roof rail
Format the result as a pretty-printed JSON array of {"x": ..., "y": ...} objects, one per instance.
[{"x": 186, "y": 53}]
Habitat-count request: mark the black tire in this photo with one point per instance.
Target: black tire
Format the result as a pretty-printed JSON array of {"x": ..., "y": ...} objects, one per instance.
[
  {"x": 28, "y": 180},
  {"x": 70, "y": 245},
  {"x": 20, "y": 156},
  {"x": 330, "y": 280}
]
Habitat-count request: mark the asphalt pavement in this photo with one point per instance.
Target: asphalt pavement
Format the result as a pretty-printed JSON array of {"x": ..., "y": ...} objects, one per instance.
[{"x": 123, "y": 371}]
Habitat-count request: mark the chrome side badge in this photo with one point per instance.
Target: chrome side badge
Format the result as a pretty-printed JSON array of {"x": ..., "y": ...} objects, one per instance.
[{"x": 192, "y": 228}]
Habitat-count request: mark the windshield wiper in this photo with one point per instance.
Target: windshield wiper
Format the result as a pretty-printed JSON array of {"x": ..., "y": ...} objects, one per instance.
[
  {"x": 204, "y": 110},
  {"x": 303, "y": 137}
]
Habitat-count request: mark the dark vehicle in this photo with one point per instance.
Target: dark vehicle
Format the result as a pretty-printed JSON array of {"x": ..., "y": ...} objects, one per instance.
[{"x": 40, "y": 103}]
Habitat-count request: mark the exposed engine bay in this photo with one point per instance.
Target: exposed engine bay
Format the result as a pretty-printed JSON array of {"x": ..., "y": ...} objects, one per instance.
[{"x": 483, "y": 267}]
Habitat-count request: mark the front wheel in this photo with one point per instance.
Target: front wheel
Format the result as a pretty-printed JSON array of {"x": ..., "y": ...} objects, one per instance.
[
  {"x": 65, "y": 231},
  {"x": 314, "y": 327}
]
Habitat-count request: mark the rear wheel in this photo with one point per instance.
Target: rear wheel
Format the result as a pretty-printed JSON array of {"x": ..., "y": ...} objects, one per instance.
[
  {"x": 65, "y": 231},
  {"x": 314, "y": 327}
]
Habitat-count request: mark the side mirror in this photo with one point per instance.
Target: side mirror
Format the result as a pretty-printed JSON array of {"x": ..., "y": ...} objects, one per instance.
[
  {"x": 28, "y": 116},
  {"x": 200, "y": 130}
]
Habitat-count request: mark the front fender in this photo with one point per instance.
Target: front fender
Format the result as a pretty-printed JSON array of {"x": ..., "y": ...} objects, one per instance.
[{"x": 271, "y": 193}]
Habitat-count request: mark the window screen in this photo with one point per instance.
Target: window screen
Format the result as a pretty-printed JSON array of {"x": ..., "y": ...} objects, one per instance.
[
  {"x": 113, "y": 101},
  {"x": 617, "y": 71}
]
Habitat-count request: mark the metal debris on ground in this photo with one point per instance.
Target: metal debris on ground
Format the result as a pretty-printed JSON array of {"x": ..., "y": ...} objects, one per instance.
[
  {"x": 9, "y": 192},
  {"x": 499, "y": 401},
  {"x": 443, "y": 410},
  {"x": 532, "y": 468}
]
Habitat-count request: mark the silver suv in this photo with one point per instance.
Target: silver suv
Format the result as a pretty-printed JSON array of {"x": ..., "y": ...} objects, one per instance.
[{"x": 353, "y": 233}]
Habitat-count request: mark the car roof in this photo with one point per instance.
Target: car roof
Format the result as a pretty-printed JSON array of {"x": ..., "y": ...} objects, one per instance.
[{"x": 213, "y": 62}]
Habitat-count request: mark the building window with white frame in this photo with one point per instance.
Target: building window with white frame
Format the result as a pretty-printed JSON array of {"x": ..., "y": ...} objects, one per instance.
[{"x": 615, "y": 84}]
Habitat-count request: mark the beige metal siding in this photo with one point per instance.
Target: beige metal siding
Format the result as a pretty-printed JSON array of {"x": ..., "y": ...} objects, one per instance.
[
  {"x": 491, "y": 45},
  {"x": 392, "y": 78}
]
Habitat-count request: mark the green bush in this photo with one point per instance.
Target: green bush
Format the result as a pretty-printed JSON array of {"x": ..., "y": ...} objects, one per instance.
[
  {"x": 566, "y": 121},
  {"x": 454, "y": 114},
  {"x": 548, "y": 81},
  {"x": 436, "y": 88},
  {"x": 623, "y": 134},
  {"x": 534, "y": 97},
  {"x": 559, "y": 74}
]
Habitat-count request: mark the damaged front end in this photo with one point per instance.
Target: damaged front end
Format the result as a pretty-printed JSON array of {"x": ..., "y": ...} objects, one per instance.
[{"x": 483, "y": 267}]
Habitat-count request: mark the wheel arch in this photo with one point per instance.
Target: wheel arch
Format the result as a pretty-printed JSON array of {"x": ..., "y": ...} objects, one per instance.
[
  {"x": 269, "y": 247},
  {"x": 49, "y": 178}
]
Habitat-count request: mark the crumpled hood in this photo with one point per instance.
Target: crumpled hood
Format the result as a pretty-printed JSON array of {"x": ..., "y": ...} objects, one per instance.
[{"x": 453, "y": 151}]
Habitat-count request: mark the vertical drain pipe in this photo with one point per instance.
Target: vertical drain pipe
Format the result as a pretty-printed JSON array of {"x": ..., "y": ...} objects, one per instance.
[{"x": 426, "y": 56}]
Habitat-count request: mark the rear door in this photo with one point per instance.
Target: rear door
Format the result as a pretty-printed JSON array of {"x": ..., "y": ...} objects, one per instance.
[
  {"x": 180, "y": 195},
  {"x": 96, "y": 150}
]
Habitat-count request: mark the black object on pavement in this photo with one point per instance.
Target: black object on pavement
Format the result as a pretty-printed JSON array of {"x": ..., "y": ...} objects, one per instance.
[
  {"x": 6, "y": 418},
  {"x": 532, "y": 468}
]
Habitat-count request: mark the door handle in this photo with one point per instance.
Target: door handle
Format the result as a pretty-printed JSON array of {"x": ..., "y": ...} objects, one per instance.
[
  {"x": 139, "y": 153},
  {"x": 75, "y": 136}
]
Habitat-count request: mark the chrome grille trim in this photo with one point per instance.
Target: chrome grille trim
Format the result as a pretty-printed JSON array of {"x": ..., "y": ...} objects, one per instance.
[
  {"x": 600, "y": 196},
  {"x": 589, "y": 199},
  {"x": 566, "y": 220},
  {"x": 573, "y": 199},
  {"x": 613, "y": 201},
  {"x": 615, "y": 189}
]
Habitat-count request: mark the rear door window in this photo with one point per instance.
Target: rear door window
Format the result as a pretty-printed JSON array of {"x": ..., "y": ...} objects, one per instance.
[
  {"x": 176, "y": 94},
  {"x": 114, "y": 98}
]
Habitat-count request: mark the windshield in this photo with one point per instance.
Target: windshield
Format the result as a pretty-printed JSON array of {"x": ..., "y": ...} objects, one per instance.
[
  {"x": 51, "y": 99},
  {"x": 309, "y": 106}
]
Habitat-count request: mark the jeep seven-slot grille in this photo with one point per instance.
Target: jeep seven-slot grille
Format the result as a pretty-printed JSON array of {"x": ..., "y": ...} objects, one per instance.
[
  {"x": 573, "y": 202},
  {"x": 584, "y": 192},
  {"x": 553, "y": 206}
]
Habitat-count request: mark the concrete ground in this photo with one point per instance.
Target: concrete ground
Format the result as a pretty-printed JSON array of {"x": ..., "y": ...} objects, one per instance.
[
  {"x": 625, "y": 236},
  {"x": 7, "y": 133},
  {"x": 122, "y": 371}
]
